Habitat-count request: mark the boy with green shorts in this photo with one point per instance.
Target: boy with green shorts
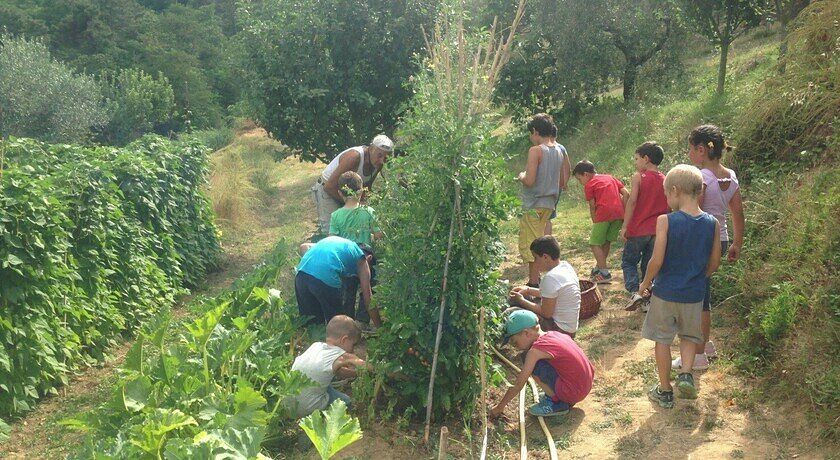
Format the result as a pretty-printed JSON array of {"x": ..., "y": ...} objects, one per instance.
[{"x": 606, "y": 196}]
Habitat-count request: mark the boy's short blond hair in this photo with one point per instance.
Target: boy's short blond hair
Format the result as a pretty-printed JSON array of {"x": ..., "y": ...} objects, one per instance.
[
  {"x": 341, "y": 325},
  {"x": 685, "y": 179}
]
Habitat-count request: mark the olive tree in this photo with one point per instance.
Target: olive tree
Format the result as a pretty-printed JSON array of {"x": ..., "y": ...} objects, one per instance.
[
  {"x": 330, "y": 74},
  {"x": 722, "y": 21},
  {"x": 43, "y": 98}
]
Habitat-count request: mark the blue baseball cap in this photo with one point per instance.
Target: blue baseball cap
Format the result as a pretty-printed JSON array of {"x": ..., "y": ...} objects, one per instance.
[{"x": 518, "y": 321}]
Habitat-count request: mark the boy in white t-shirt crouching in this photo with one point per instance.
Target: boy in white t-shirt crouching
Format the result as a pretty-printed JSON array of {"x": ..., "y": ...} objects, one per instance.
[
  {"x": 559, "y": 292},
  {"x": 323, "y": 361}
]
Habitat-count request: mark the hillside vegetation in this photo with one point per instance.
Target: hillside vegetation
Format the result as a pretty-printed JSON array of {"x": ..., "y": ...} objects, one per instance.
[{"x": 782, "y": 116}]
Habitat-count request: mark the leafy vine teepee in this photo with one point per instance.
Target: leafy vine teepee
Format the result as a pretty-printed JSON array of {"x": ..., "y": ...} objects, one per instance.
[{"x": 441, "y": 209}]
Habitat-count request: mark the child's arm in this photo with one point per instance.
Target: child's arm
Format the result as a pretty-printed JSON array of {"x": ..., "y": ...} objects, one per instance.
[
  {"x": 624, "y": 195},
  {"x": 567, "y": 172},
  {"x": 659, "y": 245},
  {"x": 736, "y": 207},
  {"x": 592, "y": 209},
  {"x": 714, "y": 257},
  {"x": 529, "y": 176},
  {"x": 531, "y": 359},
  {"x": 346, "y": 364},
  {"x": 630, "y": 204},
  {"x": 363, "y": 270},
  {"x": 545, "y": 308}
]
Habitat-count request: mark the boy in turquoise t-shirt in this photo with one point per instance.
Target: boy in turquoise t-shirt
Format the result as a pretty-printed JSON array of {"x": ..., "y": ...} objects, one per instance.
[{"x": 354, "y": 221}]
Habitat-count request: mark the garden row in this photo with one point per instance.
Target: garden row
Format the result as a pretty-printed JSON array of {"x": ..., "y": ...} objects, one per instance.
[
  {"x": 94, "y": 242},
  {"x": 211, "y": 387}
]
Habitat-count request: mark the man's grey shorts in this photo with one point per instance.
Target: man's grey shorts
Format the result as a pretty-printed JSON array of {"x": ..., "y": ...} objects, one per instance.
[{"x": 666, "y": 319}]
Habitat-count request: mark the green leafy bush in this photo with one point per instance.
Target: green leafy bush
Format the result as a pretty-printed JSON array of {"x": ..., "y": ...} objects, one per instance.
[
  {"x": 210, "y": 387},
  {"x": 778, "y": 313},
  {"x": 43, "y": 98},
  {"x": 450, "y": 183},
  {"x": 136, "y": 102},
  {"x": 95, "y": 241}
]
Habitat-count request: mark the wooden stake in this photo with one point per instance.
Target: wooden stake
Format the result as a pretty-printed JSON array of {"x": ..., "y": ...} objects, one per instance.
[
  {"x": 430, "y": 394},
  {"x": 444, "y": 436}
]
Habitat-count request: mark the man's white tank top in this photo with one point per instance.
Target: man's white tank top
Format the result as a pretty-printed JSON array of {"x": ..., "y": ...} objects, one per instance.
[{"x": 333, "y": 166}]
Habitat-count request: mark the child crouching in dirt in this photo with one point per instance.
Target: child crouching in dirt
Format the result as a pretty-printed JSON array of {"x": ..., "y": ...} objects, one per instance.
[
  {"x": 686, "y": 251},
  {"x": 558, "y": 307},
  {"x": 556, "y": 362},
  {"x": 323, "y": 361}
]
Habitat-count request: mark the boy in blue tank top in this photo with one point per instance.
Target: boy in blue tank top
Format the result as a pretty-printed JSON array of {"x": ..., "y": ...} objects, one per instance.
[{"x": 686, "y": 252}]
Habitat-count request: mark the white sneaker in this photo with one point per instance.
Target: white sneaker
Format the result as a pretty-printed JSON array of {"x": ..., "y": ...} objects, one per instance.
[
  {"x": 701, "y": 363},
  {"x": 711, "y": 351},
  {"x": 646, "y": 306},
  {"x": 635, "y": 302}
]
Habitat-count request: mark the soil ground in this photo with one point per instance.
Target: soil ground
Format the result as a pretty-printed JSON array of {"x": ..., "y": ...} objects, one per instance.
[{"x": 728, "y": 420}]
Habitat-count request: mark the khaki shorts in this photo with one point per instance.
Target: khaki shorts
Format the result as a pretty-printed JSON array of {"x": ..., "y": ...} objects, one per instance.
[
  {"x": 324, "y": 205},
  {"x": 666, "y": 319},
  {"x": 531, "y": 226}
]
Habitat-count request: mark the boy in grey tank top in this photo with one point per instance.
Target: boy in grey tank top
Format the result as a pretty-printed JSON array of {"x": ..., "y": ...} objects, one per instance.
[{"x": 540, "y": 188}]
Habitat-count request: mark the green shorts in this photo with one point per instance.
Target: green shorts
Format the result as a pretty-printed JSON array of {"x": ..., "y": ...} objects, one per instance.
[{"x": 604, "y": 231}]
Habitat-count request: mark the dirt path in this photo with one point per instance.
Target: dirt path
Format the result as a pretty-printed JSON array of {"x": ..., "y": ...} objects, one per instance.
[
  {"x": 286, "y": 213},
  {"x": 728, "y": 420}
]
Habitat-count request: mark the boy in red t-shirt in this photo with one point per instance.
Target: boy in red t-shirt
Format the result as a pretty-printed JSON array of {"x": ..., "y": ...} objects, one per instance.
[
  {"x": 606, "y": 196},
  {"x": 647, "y": 202},
  {"x": 556, "y": 362}
]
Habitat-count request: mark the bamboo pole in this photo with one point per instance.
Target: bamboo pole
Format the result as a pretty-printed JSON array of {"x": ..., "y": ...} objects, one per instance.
[{"x": 430, "y": 394}]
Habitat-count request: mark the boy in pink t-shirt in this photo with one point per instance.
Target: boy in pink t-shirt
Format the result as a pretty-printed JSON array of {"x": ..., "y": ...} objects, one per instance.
[
  {"x": 606, "y": 196},
  {"x": 556, "y": 362}
]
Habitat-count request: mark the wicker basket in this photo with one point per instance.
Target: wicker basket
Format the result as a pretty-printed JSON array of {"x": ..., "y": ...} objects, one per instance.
[{"x": 590, "y": 299}]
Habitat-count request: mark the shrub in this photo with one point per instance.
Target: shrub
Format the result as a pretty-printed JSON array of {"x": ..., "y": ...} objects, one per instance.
[
  {"x": 97, "y": 240},
  {"x": 43, "y": 98},
  {"x": 447, "y": 192},
  {"x": 794, "y": 113},
  {"x": 136, "y": 104}
]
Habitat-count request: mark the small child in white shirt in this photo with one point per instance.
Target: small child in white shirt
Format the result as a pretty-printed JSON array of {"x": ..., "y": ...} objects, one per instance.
[{"x": 323, "y": 361}]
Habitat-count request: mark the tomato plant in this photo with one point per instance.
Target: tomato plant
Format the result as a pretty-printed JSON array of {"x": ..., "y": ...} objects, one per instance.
[{"x": 450, "y": 182}]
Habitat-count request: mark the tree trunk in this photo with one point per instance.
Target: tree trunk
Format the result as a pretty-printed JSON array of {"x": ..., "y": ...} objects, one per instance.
[
  {"x": 630, "y": 71},
  {"x": 724, "y": 54}
]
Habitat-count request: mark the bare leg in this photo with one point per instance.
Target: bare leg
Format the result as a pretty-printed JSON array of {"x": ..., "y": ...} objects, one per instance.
[
  {"x": 606, "y": 249},
  {"x": 663, "y": 365},
  {"x": 706, "y": 327},
  {"x": 687, "y": 352},
  {"x": 545, "y": 388},
  {"x": 548, "y": 227},
  {"x": 600, "y": 256}
]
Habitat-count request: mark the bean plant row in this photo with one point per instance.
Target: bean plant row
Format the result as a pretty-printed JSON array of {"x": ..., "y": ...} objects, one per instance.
[{"x": 93, "y": 242}]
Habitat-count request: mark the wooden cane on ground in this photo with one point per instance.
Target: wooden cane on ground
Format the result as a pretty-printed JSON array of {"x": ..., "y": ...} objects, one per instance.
[{"x": 552, "y": 449}]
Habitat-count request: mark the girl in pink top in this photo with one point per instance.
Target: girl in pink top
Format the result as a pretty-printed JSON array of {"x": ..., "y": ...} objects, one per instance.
[{"x": 721, "y": 195}]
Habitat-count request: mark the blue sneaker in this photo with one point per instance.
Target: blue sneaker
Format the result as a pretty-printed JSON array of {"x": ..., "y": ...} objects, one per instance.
[{"x": 547, "y": 408}]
